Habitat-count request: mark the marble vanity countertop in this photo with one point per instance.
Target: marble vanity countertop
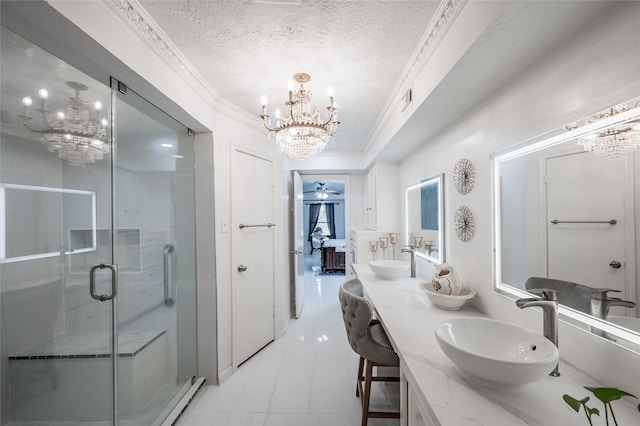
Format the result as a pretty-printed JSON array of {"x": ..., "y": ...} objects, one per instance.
[{"x": 411, "y": 319}]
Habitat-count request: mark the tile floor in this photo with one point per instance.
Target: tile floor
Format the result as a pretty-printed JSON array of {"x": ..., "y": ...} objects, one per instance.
[{"x": 305, "y": 378}]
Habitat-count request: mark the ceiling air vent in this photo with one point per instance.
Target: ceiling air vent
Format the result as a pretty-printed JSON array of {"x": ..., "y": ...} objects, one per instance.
[{"x": 406, "y": 100}]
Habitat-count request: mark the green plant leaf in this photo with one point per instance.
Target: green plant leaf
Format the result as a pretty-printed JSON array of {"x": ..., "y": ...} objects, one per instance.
[
  {"x": 592, "y": 411},
  {"x": 573, "y": 403},
  {"x": 638, "y": 407},
  {"x": 607, "y": 395}
]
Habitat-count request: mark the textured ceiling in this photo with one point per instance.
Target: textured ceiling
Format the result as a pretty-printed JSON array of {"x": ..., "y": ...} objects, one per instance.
[{"x": 246, "y": 49}]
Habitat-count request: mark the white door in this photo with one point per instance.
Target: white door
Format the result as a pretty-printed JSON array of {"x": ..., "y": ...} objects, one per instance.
[
  {"x": 584, "y": 193},
  {"x": 370, "y": 201},
  {"x": 252, "y": 254},
  {"x": 298, "y": 242}
]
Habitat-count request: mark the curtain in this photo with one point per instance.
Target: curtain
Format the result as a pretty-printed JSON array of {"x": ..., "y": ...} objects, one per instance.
[
  {"x": 314, "y": 212},
  {"x": 330, "y": 220}
]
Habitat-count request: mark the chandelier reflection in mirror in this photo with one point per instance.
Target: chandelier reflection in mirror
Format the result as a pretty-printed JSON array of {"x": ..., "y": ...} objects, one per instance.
[
  {"x": 614, "y": 141},
  {"x": 72, "y": 134},
  {"x": 301, "y": 131}
]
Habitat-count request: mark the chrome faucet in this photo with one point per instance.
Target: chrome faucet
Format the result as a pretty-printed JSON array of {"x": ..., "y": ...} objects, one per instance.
[
  {"x": 431, "y": 247},
  {"x": 601, "y": 302},
  {"x": 412, "y": 250},
  {"x": 548, "y": 301}
]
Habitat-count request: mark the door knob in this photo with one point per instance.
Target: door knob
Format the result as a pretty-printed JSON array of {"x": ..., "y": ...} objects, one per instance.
[
  {"x": 242, "y": 268},
  {"x": 615, "y": 264}
]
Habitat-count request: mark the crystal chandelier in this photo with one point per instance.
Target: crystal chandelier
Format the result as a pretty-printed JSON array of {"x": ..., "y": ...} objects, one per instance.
[
  {"x": 72, "y": 134},
  {"x": 301, "y": 131},
  {"x": 614, "y": 141}
]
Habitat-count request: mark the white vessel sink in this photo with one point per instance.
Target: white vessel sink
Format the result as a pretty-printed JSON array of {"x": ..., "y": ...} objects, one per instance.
[
  {"x": 496, "y": 354},
  {"x": 390, "y": 269}
]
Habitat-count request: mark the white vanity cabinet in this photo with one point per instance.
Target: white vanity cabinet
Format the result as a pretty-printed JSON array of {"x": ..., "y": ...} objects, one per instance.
[
  {"x": 414, "y": 415},
  {"x": 382, "y": 197},
  {"x": 413, "y": 412}
]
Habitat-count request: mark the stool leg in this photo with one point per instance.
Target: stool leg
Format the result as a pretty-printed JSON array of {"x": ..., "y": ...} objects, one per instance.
[
  {"x": 367, "y": 392},
  {"x": 360, "y": 378}
]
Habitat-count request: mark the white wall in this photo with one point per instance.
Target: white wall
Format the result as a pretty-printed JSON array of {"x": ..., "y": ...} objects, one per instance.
[
  {"x": 595, "y": 68},
  {"x": 205, "y": 257},
  {"x": 356, "y": 201}
]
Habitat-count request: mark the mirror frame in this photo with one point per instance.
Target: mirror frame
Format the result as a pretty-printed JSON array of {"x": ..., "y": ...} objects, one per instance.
[
  {"x": 439, "y": 178},
  {"x": 553, "y": 138},
  {"x": 3, "y": 224}
]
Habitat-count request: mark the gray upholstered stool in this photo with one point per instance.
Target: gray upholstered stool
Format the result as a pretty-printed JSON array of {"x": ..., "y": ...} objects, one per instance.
[{"x": 369, "y": 340}]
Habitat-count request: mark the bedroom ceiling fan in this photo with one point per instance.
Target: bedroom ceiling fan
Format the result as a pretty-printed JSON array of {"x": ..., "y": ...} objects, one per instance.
[{"x": 322, "y": 192}]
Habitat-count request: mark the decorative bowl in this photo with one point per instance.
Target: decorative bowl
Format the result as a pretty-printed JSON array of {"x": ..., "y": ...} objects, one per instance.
[
  {"x": 390, "y": 269},
  {"x": 447, "y": 301}
]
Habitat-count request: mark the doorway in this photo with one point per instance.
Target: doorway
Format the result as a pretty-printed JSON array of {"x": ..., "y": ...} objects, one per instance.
[
  {"x": 97, "y": 250},
  {"x": 324, "y": 227}
]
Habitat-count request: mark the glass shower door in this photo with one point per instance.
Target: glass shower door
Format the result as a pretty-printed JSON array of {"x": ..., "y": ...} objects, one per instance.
[
  {"x": 55, "y": 225},
  {"x": 97, "y": 248},
  {"x": 154, "y": 248}
]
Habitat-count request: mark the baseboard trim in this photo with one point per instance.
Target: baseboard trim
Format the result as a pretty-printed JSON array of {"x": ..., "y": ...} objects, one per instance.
[
  {"x": 181, "y": 407},
  {"x": 282, "y": 332},
  {"x": 225, "y": 374}
]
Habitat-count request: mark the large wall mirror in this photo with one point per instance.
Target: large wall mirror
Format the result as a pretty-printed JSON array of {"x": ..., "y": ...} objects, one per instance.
[
  {"x": 424, "y": 218},
  {"x": 566, "y": 209}
]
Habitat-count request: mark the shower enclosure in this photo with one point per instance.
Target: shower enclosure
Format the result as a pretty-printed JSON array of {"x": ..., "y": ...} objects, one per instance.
[{"x": 97, "y": 248}]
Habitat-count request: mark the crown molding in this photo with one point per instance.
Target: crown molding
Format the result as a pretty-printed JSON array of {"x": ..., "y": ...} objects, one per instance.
[
  {"x": 442, "y": 20},
  {"x": 136, "y": 17}
]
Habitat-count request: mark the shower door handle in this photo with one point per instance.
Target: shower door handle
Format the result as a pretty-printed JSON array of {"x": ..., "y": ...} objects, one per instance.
[
  {"x": 168, "y": 275},
  {"x": 114, "y": 282}
]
